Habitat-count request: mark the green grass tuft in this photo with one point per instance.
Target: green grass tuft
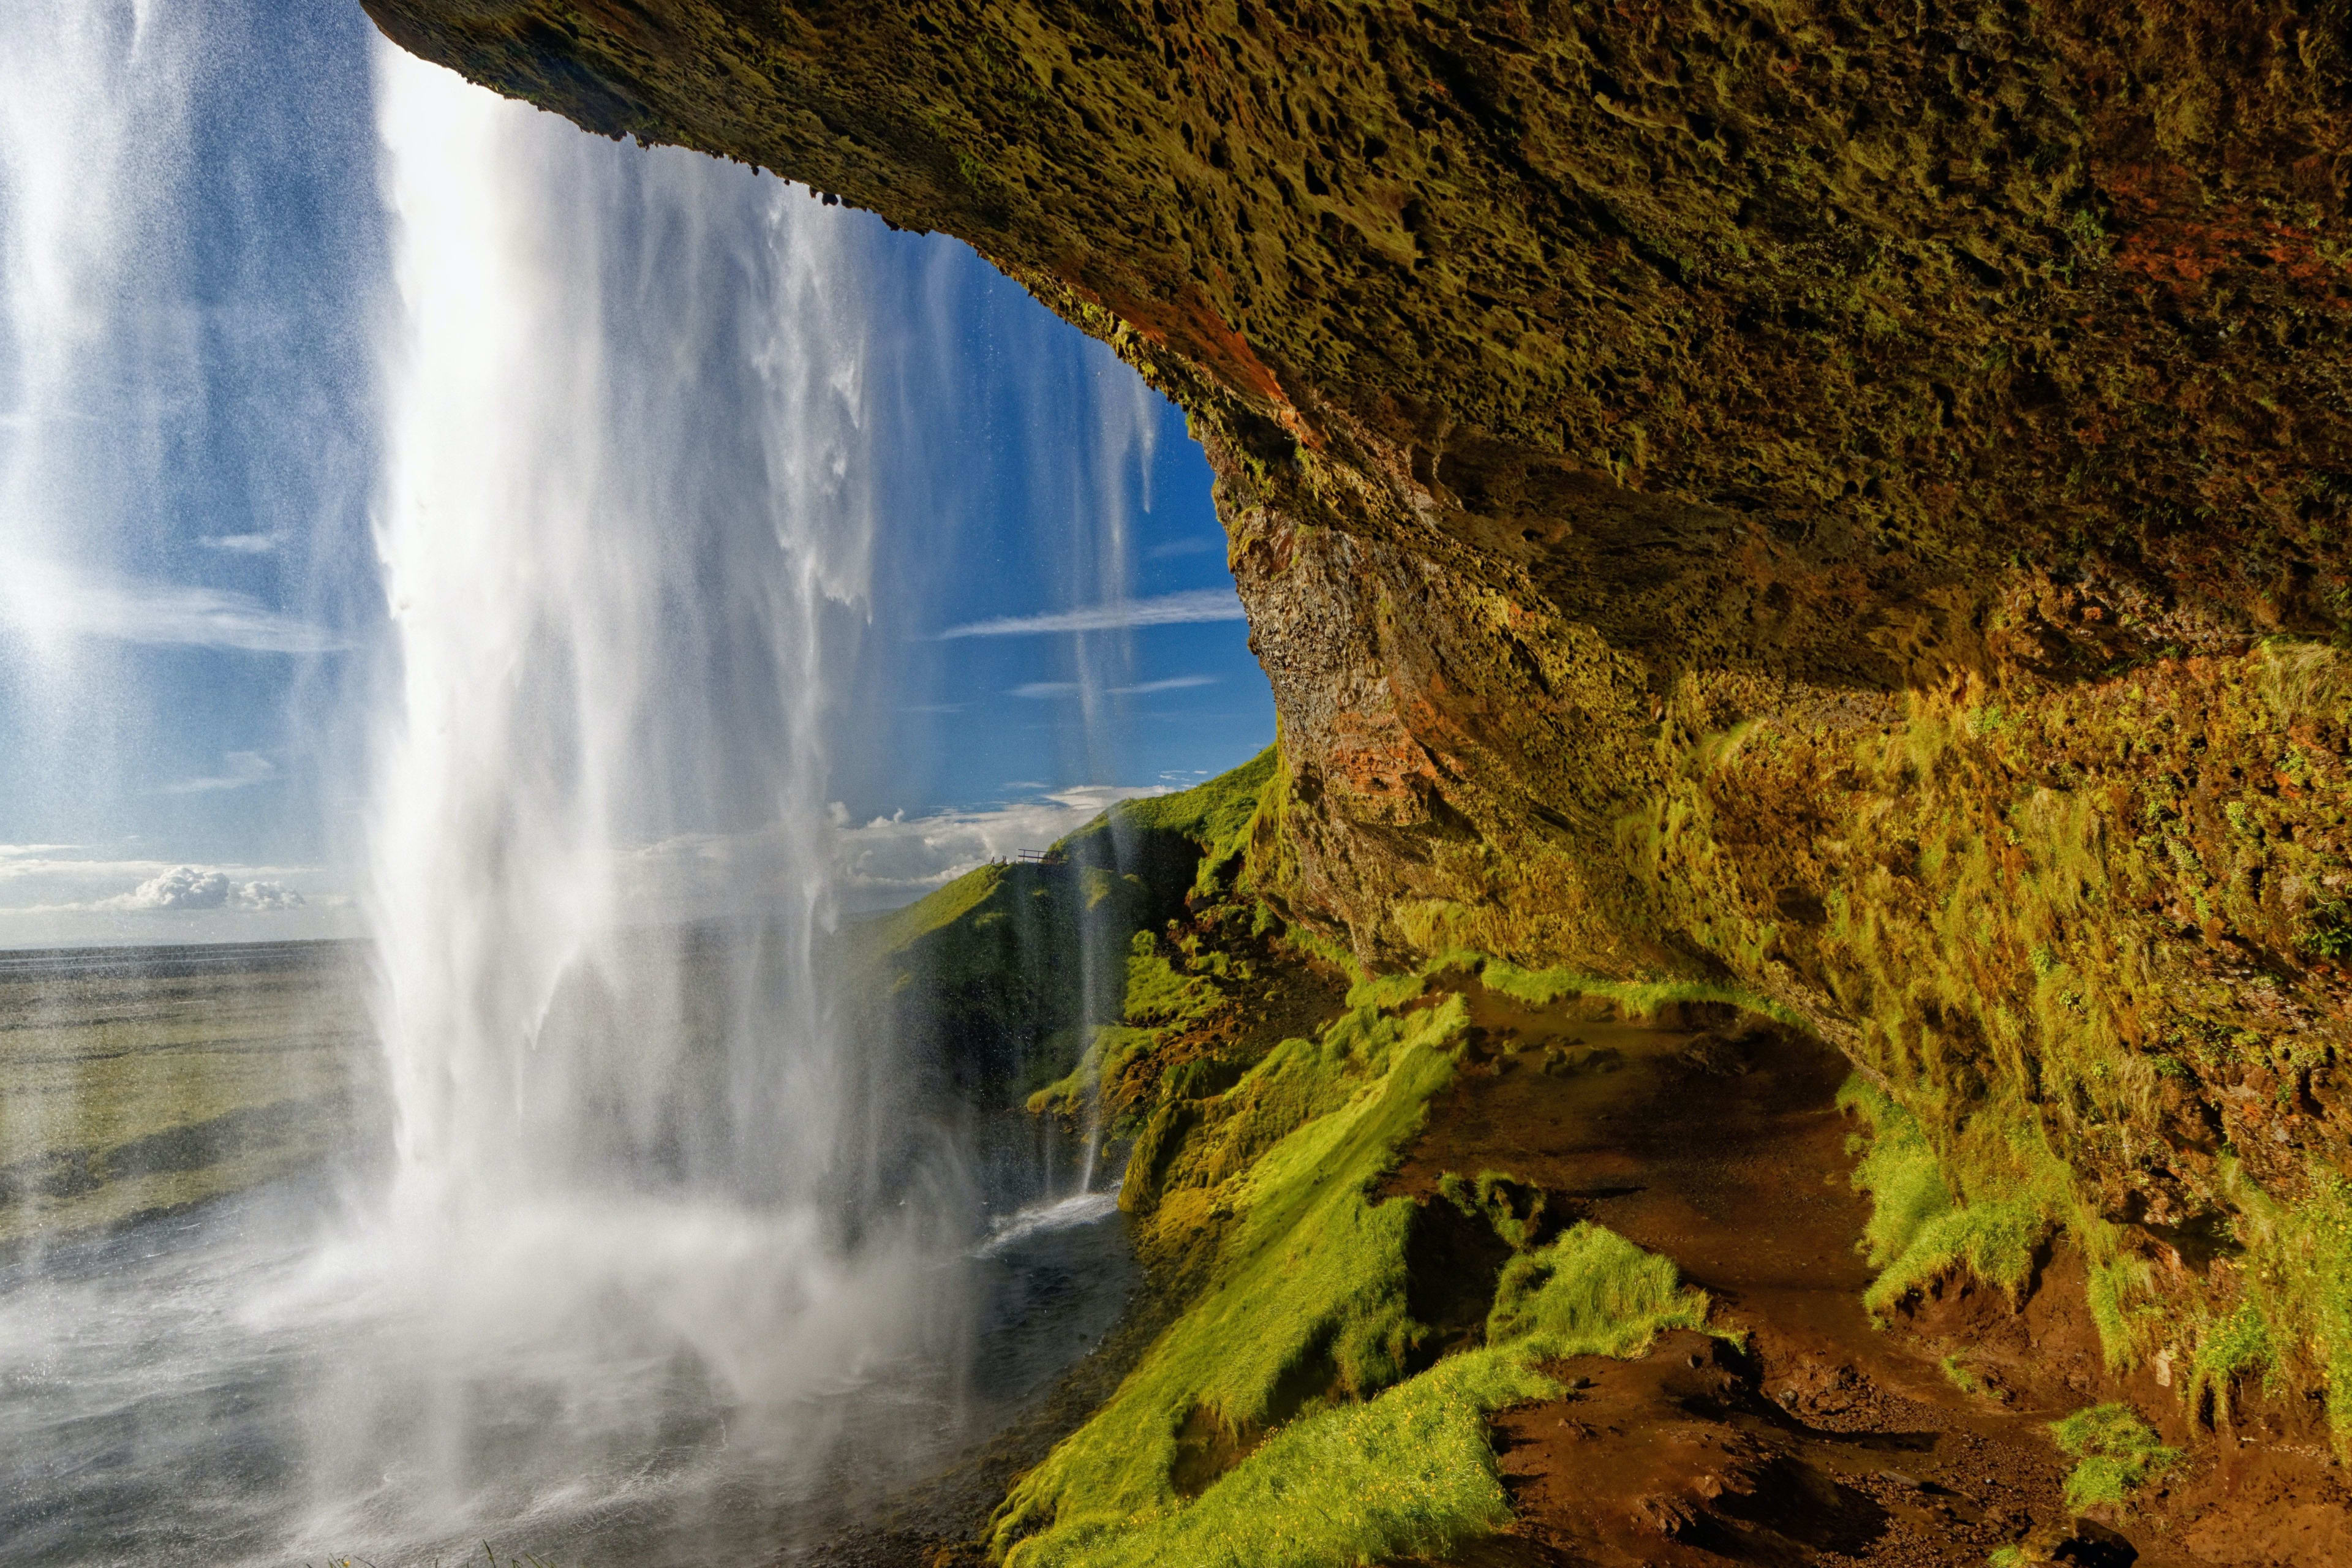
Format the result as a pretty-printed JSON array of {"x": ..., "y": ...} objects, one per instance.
[
  {"x": 2296, "y": 1279},
  {"x": 2233, "y": 1347},
  {"x": 2117, "y": 1453},
  {"x": 1410, "y": 1472},
  {"x": 1590, "y": 1292},
  {"x": 1301, "y": 1341},
  {"x": 1918, "y": 1231}
]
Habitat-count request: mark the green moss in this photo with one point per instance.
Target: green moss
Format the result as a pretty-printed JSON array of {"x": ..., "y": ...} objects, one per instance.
[
  {"x": 1308, "y": 1298},
  {"x": 2117, "y": 1452},
  {"x": 1157, "y": 994},
  {"x": 1300, "y": 1342},
  {"x": 1387, "y": 990},
  {"x": 1634, "y": 998},
  {"x": 1918, "y": 1231},
  {"x": 1515, "y": 1209},
  {"x": 1590, "y": 1292},
  {"x": 2296, "y": 1276},
  {"x": 1410, "y": 1472},
  {"x": 2234, "y": 1346}
]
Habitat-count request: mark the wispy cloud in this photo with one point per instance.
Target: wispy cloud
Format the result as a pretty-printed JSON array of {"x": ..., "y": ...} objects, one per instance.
[
  {"x": 239, "y": 770},
  {"x": 1039, "y": 690},
  {"x": 1191, "y": 544},
  {"x": 1194, "y": 604},
  {"x": 241, "y": 543},
  {"x": 44, "y": 598}
]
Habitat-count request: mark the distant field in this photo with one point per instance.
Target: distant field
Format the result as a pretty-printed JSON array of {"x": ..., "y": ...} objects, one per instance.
[{"x": 137, "y": 1081}]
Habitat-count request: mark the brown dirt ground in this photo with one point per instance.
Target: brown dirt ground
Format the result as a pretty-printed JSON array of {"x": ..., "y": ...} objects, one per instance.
[
  {"x": 1820, "y": 1440},
  {"x": 1714, "y": 1141}
]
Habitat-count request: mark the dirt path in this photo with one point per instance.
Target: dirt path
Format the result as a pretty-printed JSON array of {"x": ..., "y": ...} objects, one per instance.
[{"x": 1825, "y": 1440}]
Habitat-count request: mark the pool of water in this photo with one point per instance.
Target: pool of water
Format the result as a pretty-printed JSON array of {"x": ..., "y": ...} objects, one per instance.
[{"x": 258, "y": 1382}]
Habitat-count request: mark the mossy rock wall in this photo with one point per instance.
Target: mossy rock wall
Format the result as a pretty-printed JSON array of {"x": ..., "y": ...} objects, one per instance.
[{"x": 1848, "y": 500}]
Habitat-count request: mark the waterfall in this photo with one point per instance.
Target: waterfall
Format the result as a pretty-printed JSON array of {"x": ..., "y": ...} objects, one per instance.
[
  {"x": 624, "y": 543},
  {"x": 620, "y": 489},
  {"x": 624, "y": 539}
]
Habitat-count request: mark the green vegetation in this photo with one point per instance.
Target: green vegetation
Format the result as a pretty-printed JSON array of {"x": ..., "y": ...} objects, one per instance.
[
  {"x": 1410, "y": 1472},
  {"x": 1634, "y": 998},
  {"x": 1918, "y": 1231},
  {"x": 1514, "y": 1208},
  {"x": 1590, "y": 1292},
  {"x": 1982, "y": 1204},
  {"x": 2327, "y": 930},
  {"x": 1218, "y": 816},
  {"x": 2293, "y": 1318},
  {"x": 1309, "y": 1292},
  {"x": 1281, "y": 1419},
  {"x": 2117, "y": 1453},
  {"x": 2233, "y": 1346},
  {"x": 1014, "y": 972},
  {"x": 131, "y": 1095}
]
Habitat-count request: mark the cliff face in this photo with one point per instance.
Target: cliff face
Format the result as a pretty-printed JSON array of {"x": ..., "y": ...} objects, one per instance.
[{"x": 1848, "y": 498}]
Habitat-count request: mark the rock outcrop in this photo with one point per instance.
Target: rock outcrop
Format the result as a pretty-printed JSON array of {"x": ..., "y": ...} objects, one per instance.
[{"x": 1848, "y": 500}]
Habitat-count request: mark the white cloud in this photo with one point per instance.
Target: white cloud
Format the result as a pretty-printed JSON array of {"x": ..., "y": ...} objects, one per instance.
[
  {"x": 1192, "y": 544},
  {"x": 241, "y": 543},
  {"x": 877, "y": 864},
  {"x": 195, "y": 888},
  {"x": 1194, "y": 604},
  {"x": 239, "y": 769},
  {"x": 44, "y": 598},
  {"x": 895, "y": 859},
  {"x": 59, "y": 894},
  {"x": 1037, "y": 691}
]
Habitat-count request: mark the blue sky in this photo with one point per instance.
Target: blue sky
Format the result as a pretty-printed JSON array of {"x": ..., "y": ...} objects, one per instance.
[{"x": 198, "y": 259}]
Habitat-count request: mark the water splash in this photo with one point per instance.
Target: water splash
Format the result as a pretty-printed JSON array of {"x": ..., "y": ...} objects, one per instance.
[
  {"x": 666, "y": 1268},
  {"x": 626, "y": 542}
]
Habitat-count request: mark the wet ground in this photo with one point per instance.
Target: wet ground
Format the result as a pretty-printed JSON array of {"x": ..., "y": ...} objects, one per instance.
[
  {"x": 1819, "y": 1438},
  {"x": 220, "y": 1345}
]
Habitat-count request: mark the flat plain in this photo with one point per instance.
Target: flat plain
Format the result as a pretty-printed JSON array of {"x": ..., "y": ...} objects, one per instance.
[{"x": 135, "y": 1082}]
